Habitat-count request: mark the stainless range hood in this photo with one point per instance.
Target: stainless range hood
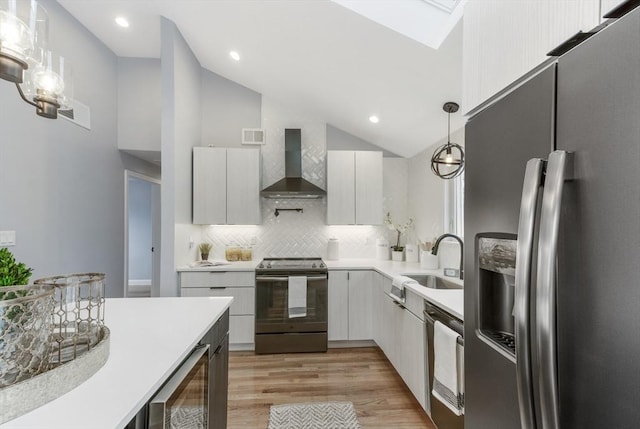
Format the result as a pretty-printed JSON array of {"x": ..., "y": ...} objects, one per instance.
[{"x": 293, "y": 185}]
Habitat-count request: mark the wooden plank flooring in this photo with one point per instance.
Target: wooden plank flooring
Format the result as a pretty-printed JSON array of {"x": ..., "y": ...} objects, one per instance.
[{"x": 360, "y": 375}]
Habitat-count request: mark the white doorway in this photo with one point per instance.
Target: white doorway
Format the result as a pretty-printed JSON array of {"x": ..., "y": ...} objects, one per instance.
[{"x": 141, "y": 235}]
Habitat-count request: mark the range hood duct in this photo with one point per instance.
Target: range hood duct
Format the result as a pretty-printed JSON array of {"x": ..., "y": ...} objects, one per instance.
[{"x": 293, "y": 185}]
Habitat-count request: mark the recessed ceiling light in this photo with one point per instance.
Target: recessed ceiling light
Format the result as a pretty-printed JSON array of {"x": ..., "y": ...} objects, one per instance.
[
  {"x": 122, "y": 21},
  {"x": 234, "y": 55},
  {"x": 374, "y": 119}
]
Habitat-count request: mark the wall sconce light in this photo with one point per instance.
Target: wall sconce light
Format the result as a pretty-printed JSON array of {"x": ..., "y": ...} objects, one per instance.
[
  {"x": 25, "y": 60},
  {"x": 447, "y": 161}
]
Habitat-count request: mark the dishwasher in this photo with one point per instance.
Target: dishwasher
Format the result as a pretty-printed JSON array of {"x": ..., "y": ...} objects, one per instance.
[{"x": 440, "y": 414}]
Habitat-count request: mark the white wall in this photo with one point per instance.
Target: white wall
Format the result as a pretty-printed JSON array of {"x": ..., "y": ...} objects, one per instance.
[
  {"x": 426, "y": 201},
  {"x": 227, "y": 107},
  {"x": 181, "y": 130},
  {"x": 139, "y": 104},
  {"x": 62, "y": 185}
]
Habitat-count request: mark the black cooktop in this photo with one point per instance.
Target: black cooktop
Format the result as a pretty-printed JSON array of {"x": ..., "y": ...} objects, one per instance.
[{"x": 292, "y": 264}]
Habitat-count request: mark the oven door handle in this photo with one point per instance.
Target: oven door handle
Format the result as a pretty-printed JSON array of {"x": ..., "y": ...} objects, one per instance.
[{"x": 285, "y": 278}]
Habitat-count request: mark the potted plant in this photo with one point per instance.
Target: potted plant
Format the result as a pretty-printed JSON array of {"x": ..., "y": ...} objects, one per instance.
[
  {"x": 205, "y": 248},
  {"x": 397, "y": 251},
  {"x": 12, "y": 273}
]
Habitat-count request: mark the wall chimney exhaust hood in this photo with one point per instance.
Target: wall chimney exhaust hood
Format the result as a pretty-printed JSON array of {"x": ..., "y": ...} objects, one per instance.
[{"x": 293, "y": 185}]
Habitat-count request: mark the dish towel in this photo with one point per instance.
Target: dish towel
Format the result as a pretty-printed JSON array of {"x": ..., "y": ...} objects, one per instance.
[
  {"x": 397, "y": 287},
  {"x": 297, "y": 296},
  {"x": 446, "y": 386}
]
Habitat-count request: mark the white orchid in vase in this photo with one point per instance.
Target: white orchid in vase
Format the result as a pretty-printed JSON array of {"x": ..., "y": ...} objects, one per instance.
[{"x": 400, "y": 229}]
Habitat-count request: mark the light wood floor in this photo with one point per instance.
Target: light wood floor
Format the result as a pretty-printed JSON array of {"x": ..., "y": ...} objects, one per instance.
[{"x": 360, "y": 375}]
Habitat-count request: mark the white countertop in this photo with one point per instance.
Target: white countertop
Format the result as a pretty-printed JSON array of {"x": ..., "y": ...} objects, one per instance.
[
  {"x": 225, "y": 266},
  {"x": 451, "y": 301},
  {"x": 150, "y": 337}
]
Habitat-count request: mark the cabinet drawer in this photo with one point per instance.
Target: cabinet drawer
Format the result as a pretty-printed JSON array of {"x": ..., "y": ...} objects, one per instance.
[
  {"x": 217, "y": 279},
  {"x": 243, "y": 297},
  {"x": 241, "y": 329}
]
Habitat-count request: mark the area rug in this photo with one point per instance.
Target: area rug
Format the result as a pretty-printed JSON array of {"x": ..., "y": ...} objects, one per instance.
[{"x": 316, "y": 415}]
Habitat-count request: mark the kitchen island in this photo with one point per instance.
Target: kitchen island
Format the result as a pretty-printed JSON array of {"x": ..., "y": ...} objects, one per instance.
[{"x": 150, "y": 338}]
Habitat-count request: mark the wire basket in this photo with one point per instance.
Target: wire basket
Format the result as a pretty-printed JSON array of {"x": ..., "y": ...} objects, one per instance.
[
  {"x": 78, "y": 314},
  {"x": 25, "y": 327}
]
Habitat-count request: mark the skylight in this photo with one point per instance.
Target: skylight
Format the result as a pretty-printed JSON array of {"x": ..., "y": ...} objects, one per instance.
[{"x": 426, "y": 21}]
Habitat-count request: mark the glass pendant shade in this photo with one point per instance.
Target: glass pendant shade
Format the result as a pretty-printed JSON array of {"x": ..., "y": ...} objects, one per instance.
[
  {"x": 49, "y": 84},
  {"x": 23, "y": 28}
]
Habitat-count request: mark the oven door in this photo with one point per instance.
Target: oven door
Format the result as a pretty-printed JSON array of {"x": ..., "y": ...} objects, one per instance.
[
  {"x": 183, "y": 400},
  {"x": 272, "y": 312}
]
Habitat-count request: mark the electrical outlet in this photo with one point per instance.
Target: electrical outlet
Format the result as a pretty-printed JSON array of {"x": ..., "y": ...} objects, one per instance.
[
  {"x": 7, "y": 238},
  {"x": 254, "y": 240}
]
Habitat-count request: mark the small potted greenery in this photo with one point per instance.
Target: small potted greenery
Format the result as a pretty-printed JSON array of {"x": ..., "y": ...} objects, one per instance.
[
  {"x": 205, "y": 248},
  {"x": 12, "y": 273},
  {"x": 397, "y": 251}
]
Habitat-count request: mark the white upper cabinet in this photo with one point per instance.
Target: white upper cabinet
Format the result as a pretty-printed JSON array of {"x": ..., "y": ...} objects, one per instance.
[
  {"x": 368, "y": 188},
  {"x": 354, "y": 187},
  {"x": 243, "y": 186},
  {"x": 226, "y": 186},
  {"x": 504, "y": 40},
  {"x": 209, "y": 185}
]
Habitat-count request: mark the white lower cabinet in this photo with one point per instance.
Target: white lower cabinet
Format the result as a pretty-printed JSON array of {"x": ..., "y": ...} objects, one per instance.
[
  {"x": 402, "y": 338},
  {"x": 360, "y": 305},
  {"x": 238, "y": 284},
  {"x": 338, "y": 306},
  {"x": 360, "y": 309},
  {"x": 350, "y": 305}
]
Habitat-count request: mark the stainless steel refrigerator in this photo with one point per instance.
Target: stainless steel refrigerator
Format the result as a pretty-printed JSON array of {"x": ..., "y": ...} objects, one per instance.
[{"x": 552, "y": 203}]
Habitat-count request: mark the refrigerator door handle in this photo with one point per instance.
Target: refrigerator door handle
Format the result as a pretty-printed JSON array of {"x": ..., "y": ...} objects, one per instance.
[
  {"x": 559, "y": 170},
  {"x": 524, "y": 255}
]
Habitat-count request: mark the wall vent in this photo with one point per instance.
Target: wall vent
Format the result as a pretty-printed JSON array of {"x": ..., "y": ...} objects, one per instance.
[
  {"x": 253, "y": 136},
  {"x": 79, "y": 114}
]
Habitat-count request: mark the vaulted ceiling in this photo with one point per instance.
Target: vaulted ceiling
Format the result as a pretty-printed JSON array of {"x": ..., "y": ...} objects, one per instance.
[{"x": 315, "y": 55}]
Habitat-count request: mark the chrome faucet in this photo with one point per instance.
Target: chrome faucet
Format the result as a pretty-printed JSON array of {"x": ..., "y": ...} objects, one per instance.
[{"x": 434, "y": 251}]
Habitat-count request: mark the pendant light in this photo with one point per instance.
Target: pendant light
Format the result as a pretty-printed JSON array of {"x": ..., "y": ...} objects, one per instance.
[
  {"x": 447, "y": 161},
  {"x": 25, "y": 59}
]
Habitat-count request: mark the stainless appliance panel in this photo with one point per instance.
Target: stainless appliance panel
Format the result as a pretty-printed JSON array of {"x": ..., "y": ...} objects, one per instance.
[
  {"x": 295, "y": 342},
  {"x": 272, "y": 296},
  {"x": 440, "y": 414},
  {"x": 275, "y": 331},
  {"x": 183, "y": 400},
  {"x": 499, "y": 142},
  {"x": 219, "y": 383},
  {"x": 598, "y": 105}
]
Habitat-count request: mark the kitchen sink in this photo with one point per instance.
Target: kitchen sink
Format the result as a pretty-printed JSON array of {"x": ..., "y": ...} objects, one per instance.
[{"x": 433, "y": 282}]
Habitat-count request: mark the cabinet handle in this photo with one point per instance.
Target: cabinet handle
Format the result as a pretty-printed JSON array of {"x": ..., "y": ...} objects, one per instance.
[
  {"x": 217, "y": 287},
  {"x": 397, "y": 303}
]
